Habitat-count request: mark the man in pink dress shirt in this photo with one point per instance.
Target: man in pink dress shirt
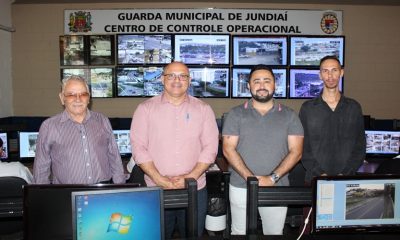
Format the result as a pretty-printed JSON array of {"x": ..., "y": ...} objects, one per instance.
[{"x": 175, "y": 136}]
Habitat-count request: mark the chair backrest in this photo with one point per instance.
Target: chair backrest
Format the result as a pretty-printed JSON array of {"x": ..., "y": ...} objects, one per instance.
[
  {"x": 272, "y": 196},
  {"x": 11, "y": 196},
  {"x": 11, "y": 204},
  {"x": 185, "y": 198}
]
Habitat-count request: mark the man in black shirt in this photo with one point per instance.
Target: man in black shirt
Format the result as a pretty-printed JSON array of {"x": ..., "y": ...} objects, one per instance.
[{"x": 334, "y": 138}]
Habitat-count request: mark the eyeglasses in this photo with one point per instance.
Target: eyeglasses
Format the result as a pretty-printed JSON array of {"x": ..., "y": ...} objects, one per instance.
[
  {"x": 173, "y": 76},
  {"x": 73, "y": 96}
]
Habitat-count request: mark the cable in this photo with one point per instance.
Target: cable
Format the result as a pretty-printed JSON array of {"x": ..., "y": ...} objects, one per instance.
[{"x": 305, "y": 224}]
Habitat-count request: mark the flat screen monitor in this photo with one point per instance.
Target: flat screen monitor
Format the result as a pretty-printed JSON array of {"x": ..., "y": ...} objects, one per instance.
[
  {"x": 382, "y": 144},
  {"x": 254, "y": 50},
  {"x": 83, "y": 72},
  {"x": 202, "y": 49},
  {"x": 240, "y": 77},
  {"x": 47, "y": 209},
  {"x": 139, "y": 81},
  {"x": 149, "y": 49},
  {"x": 4, "y": 139},
  {"x": 135, "y": 213},
  {"x": 306, "y": 83},
  {"x": 209, "y": 82},
  {"x": 27, "y": 144},
  {"x": 101, "y": 82},
  {"x": 355, "y": 204},
  {"x": 101, "y": 50},
  {"x": 72, "y": 50},
  {"x": 122, "y": 137},
  {"x": 308, "y": 50}
]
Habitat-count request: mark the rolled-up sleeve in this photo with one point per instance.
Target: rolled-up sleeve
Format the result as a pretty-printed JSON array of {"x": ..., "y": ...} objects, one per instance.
[{"x": 140, "y": 135}]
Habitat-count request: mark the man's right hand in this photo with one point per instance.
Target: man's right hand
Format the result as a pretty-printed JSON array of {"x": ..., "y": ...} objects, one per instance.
[{"x": 164, "y": 182}]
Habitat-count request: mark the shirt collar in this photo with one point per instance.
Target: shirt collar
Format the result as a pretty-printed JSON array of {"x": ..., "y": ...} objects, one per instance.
[
  {"x": 165, "y": 100},
  {"x": 65, "y": 116}
]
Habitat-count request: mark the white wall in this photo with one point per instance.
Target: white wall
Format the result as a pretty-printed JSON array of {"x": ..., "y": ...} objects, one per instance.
[{"x": 6, "y": 93}]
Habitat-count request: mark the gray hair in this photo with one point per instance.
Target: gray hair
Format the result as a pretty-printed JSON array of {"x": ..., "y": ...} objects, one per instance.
[{"x": 75, "y": 78}]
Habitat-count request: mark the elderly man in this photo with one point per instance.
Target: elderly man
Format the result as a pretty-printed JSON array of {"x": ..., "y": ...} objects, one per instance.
[
  {"x": 77, "y": 146},
  {"x": 175, "y": 136}
]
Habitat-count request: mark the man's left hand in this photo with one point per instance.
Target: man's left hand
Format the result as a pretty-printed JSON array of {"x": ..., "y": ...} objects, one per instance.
[{"x": 265, "y": 181}]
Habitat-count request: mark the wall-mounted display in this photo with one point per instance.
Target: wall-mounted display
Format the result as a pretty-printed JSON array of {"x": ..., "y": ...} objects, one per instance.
[
  {"x": 72, "y": 50},
  {"x": 144, "y": 49},
  {"x": 254, "y": 50},
  {"x": 209, "y": 82},
  {"x": 306, "y": 83},
  {"x": 240, "y": 78},
  {"x": 101, "y": 82},
  {"x": 101, "y": 50},
  {"x": 202, "y": 49},
  {"x": 308, "y": 50}
]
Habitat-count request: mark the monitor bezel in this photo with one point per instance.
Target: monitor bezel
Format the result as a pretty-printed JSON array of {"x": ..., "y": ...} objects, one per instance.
[
  {"x": 74, "y": 195},
  {"x": 292, "y": 51},
  {"x": 19, "y": 144},
  {"x": 277, "y": 38},
  {"x": 6, "y": 144},
  {"x": 359, "y": 229},
  {"x": 248, "y": 68},
  {"x": 227, "y": 45}
]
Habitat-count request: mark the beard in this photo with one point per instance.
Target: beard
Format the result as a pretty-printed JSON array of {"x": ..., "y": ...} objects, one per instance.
[{"x": 262, "y": 99}]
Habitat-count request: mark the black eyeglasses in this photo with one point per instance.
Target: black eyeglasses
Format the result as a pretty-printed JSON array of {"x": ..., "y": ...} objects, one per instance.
[{"x": 173, "y": 76}]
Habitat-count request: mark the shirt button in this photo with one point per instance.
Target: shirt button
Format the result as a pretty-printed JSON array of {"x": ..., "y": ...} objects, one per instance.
[
  {"x": 83, "y": 136},
  {"x": 90, "y": 177},
  {"x": 88, "y": 164},
  {"x": 85, "y": 150}
]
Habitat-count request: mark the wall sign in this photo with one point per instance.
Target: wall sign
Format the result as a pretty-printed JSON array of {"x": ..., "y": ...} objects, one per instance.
[{"x": 204, "y": 21}]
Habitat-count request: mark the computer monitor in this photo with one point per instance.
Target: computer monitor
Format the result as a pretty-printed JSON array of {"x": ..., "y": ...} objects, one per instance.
[
  {"x": 382, "y": 145},
  {"x": 135, "y": 213},
  {"x": 27, "y": 144},
  {"x": 354, "y": 204},
  {"x": 122, "y": 137},
  {"x": 4, "y": 139},
  {"x": 47, "y": 208}
]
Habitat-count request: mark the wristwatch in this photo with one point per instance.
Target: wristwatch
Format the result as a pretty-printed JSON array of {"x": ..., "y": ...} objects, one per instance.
[{"x": 274, "y": 177}]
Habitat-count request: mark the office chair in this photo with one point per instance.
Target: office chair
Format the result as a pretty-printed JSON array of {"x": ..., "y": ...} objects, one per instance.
[
  {"x": 272, "y": 196},
  {"x": 185, "y": 198},
  {"x": 11, "y": 198}
]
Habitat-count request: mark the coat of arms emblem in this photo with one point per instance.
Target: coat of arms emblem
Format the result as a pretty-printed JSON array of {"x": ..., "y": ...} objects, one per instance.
[{"x": 80, "y": 21}]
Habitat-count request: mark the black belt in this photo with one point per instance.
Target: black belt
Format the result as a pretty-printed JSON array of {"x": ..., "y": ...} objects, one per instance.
[{"x": 107, "y": 181}]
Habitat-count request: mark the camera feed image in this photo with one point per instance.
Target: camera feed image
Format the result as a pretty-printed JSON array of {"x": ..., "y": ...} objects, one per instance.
[
  {"x": 130, "y": 81},
  {"x": 241, "y": 76},
  {"x": 122, "y": 137},
  {"x": 209, "y": 82},
  {"x": 72, "y": 50},
  {"x": 27, "y": 144},
  {"x": 152, "y": 81},
  {"x": 253, "y": 51},
  {"x": 83, "y": 72},
  {"x": 305, "y": 83},
  {"x": 309, "y": 51},
  {"x": 383, "y": 142},
  {"x": 101, "y": 50},
  {"x": 101, "y": 80},
  {"x": 3, "y": 147},
  {"x": 370, "y": 201},
  {"x": 136, "y": 49},
  {"x": 202, "y": 49}
]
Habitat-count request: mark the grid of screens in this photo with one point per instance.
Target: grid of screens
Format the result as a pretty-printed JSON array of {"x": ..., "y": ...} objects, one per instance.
[
  {"x": 130, "y": 65},
  {"x": 4, "y": 152},
  {"x": 135, "y": 213},
  {"x": 382, "y": 142},
  {"x": 356, "y": 204}
]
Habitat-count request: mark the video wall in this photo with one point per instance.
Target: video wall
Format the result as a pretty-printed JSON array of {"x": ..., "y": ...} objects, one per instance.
[{"x": 130, "y": 65}]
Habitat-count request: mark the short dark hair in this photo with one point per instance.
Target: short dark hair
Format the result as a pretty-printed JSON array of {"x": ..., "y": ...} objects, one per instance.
[
  {"x": 1, "y": 142},
  {"x": 261, "y": 67},
  {"x": 329, "y": 57}
]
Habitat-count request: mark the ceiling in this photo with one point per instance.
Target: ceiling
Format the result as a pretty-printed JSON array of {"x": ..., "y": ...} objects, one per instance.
[{"x": 332, "y": 2}]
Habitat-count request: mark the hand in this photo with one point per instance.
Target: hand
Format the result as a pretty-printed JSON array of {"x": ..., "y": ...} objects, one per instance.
[
  {"x": 265, "y": 181},
  {"x": 179, "y": 181},
  {"x": 164, "y": 182}
]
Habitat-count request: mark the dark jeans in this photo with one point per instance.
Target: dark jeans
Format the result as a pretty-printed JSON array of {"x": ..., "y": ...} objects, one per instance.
[{"x": 178, "y": 216}]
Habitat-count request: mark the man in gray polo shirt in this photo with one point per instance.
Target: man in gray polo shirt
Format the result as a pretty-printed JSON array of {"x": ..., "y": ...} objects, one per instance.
[{"x": 261, "y": 138}]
